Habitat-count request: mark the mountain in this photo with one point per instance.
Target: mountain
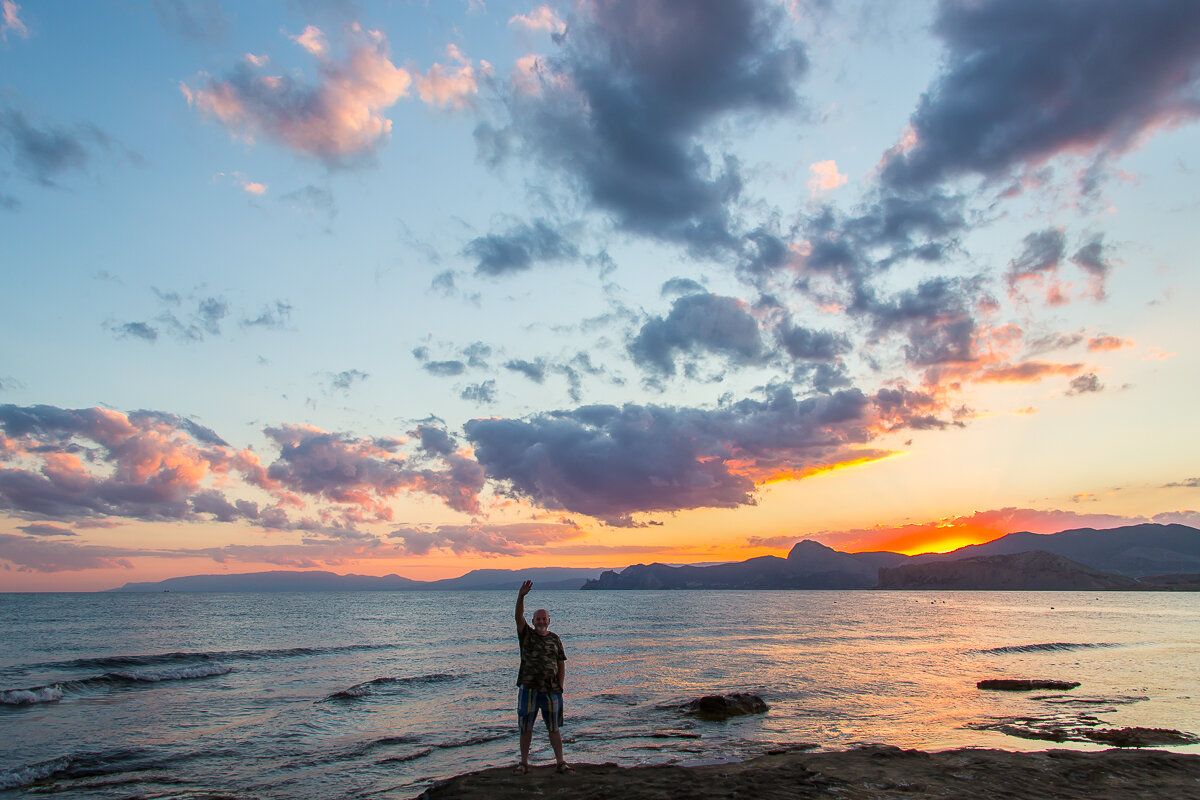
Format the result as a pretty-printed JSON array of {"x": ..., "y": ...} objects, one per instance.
[
  {"x": 1035, "y": 570},
  {"x": 295, "y": 581},
  {"x": 1134, "y": 550},
  {"x": 809, "y": 565}
]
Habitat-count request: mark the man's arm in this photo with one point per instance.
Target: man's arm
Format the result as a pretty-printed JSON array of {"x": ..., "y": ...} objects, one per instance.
[
  {"x": 524, "y": 590},
  {"x": 562, "y": 671}
]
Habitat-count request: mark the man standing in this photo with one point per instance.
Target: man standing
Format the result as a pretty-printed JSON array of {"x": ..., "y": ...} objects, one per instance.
[{"x": 540, "y": 681}]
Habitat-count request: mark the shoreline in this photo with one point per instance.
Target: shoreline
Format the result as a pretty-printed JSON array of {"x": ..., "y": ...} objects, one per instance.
[{"x": 867, "y": 773}]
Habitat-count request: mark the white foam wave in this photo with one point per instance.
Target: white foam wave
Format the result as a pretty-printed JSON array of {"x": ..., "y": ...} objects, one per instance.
[
  {"x": 172, "y": 673},
  {"x": 23, "y": 776},
  {"x": 28, "y": 697}
]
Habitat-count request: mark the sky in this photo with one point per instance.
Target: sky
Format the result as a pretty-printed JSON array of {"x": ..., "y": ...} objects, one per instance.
[{"x": 419, "y": 288}]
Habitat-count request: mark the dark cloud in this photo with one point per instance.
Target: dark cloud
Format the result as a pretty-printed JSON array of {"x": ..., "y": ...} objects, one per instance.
[
  {"x": 680, "y": 286},
  {"x": 534, "y": 370},
  {"x": 9, "y": 203},
  {"x": 1093, "y": 259},
  {"x": 477, "y": 354},
  {"x": 134, "y": 330},
  {"x": 344, "y": 380},
  {"x": 275, "y": 315},
  {"x": 519, "y": 248},
  {"x": 901, "y": 408},
  {"x": 1083, "y": 384},
  {"x": 936, "y": 318},
  {"x": 807, "y": 344},
  {"x": 1024, "y": 80},
  {"x": 444, "y": 369},
  {"x": 34, "y": 555},
  {"x": 314, "y": 200},
  {"x": 610, "y": 462},
  {"x": 44, "y": 154},
  {"x": 1190, "y": 483},
  {"x": 698, "y": 324},
  {"x": 622, "y": 107},
  {"x": 45, "y": 529},
  {"x": 1043, "y": 252},
  {"x": 482, "y": 393}
]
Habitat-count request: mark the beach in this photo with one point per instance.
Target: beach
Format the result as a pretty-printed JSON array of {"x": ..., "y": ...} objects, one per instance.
[{"x": 869, "y": 773}]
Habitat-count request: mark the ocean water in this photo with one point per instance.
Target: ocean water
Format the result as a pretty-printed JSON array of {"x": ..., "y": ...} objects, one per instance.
[{"x": 377, "y": 694}]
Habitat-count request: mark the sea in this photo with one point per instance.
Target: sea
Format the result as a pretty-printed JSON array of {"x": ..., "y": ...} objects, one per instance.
[{"x": 380, "y": 694}]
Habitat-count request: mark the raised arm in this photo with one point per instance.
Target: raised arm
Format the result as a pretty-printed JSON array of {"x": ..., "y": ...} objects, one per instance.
[{"x": 524, "y": 590}]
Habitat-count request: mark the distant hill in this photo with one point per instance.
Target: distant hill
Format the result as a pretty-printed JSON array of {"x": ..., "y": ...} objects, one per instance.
[
  {"x": 313, "y": 581},
  {"x": 1134, "y": 550},
  {"x": 1035, "y": 570},
  {"x": 809, "y": 565}
]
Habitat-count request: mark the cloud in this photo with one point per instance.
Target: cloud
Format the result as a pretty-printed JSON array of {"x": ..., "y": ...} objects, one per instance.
[
  {"x": 34, "y": 555},
  {"x": 824, "y": 177},
  {"x": 808, "y": 344},
  {"x": 1105, "y": 343},
  {"x": 489, "y": 540},
  {"x": 680, "y": 286},
  {"x": 313, "y": 200},
  {"x": 1190, "y": 483},
  {"x": 10, "y": 21},
  {"x": 622, "y": 108},
  {"x": 481, "y": 393},
  {"x": 611, "y": 462},
  {"x": 134, "y": 330},
  {"x": 451, "y": 87},
  {"x": 346, "y": 379},
  {"x": 45, "y": 529},
  {"x": 698, "y": 324},
  {"x": 204, "y": 321},
  {"x": 534, "y": 370},
  {"x": 1025, "y": 80},
  {"x": 541, "y": 18},
  {"x": 1084, "y": 384},
  {"x": 444, "y": 369},
  {"x": 339, "y": 121},
  {"x": 44, "y": 154},
  {"x": 83, "y": 463},
  {"x": 275, "y": 315},
  {"x": 520, "y": 248},
  {"x": 362, "y": 475}
]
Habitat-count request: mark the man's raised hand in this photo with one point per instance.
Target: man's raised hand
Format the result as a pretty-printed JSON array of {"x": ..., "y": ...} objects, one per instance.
[{"x": 525, "y": 587}]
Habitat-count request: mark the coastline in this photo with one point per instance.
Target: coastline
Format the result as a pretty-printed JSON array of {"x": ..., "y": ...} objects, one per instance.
[{"x": 867, "y": 773}]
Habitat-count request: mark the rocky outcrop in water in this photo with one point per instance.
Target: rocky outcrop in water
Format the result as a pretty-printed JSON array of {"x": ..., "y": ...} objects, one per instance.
[
  {"x": 718, "y": 707},
  {"x": 1024, "y": 685}
]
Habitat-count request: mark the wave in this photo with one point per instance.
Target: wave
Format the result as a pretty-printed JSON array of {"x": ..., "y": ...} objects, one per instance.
[
  {"x": 72, "y": 766},
  {"x": 1047, "y": 647},
  {"x": 161, "y": 659},
  {"x": 54, "y": 692},
  {"x": 380, "y": 685}
]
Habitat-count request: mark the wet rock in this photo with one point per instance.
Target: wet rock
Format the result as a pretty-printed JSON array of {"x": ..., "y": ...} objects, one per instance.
[
  {"x": 1140, "y": 737},
  {"x": 1024, "y": 685},
  {"x": 717, "y": 707}
]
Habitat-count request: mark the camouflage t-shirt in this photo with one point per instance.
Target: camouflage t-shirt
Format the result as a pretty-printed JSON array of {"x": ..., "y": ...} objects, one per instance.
[{"x": 539, "y": 661}]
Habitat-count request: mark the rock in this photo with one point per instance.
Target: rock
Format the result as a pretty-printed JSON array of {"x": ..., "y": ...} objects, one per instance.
[
  {"x": 1140, "y": 737},
  {"x": 717, "y": 707},
  {"x": 1024, "y": 685}
]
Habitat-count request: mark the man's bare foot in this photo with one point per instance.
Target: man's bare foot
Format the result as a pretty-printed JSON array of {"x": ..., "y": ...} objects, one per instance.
[
  {"x": 565, "y": 768},
  {"x": 522, "y": 769}
]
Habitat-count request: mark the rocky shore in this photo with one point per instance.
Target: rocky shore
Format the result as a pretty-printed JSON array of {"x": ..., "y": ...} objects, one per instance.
[{"x": 870, "y": 773}]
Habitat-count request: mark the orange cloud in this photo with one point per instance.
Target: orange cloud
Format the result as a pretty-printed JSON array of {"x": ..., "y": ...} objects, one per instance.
[
  {"x": 825, "y": 177},
  {"x": 1026, "y": 372},
  {"x": 1105, "y": 342}
]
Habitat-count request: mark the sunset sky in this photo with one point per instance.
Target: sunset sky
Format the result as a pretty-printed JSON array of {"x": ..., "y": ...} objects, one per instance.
[{"x": 416, "y": 288}]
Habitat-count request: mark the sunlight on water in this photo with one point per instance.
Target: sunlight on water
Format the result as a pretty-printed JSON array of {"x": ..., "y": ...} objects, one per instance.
[{"x": 312, "y": 695}]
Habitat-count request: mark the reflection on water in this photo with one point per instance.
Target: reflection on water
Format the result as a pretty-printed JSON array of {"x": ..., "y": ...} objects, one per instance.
[{"x": 308, "y": 695}]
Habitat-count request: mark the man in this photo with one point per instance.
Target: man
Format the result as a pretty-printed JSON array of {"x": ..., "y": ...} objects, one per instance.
[{"x": 540, "y": 681}]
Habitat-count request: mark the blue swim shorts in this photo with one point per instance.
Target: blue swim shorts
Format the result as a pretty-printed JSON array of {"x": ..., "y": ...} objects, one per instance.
[{"x": 530, "y": 702}]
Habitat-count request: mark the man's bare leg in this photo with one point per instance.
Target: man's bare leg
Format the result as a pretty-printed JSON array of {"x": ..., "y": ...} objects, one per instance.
[
  {"x": 556, "y": 743},
  {"x": 526, "y": 739}
]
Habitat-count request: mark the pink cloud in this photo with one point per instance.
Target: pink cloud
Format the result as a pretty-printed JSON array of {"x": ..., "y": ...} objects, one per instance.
[
  {"x": 824, "y": 177},
  {"x": 11, "y": 21},
  {"x": 451, "y": 87},
  {"x": 340, "y": 118},
  {"x": 541, "y": 18},
  {"x": 489, "y": 540},
  {"x": 1105, "y": 342}
]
